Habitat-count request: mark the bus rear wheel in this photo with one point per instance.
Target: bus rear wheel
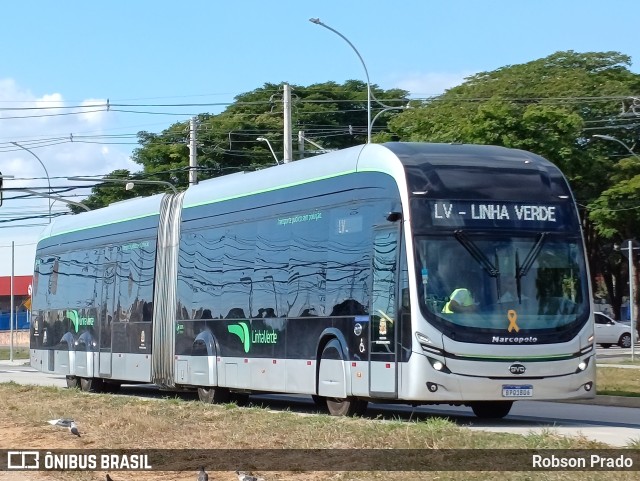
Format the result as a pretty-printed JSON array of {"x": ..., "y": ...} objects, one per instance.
[
  {"x": 213, "y": 395},
  {"x": 346, "y": 407},
  {"x": 72, "y": 382},
  {"x": 491, "y": 409},
  {"x": 91, "y": 384}
]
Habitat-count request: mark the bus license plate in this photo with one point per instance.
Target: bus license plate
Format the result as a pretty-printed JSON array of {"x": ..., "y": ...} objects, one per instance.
[{"x": 525, "y": 390}]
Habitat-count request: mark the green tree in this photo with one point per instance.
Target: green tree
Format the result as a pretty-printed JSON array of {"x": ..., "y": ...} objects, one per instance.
[
  {"x": 551, "y": 106},
  {"x": 330, "y": 114}
]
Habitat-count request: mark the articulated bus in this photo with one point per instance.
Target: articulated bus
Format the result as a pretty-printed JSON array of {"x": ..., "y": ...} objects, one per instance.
[{"x": 401, "y": 272}]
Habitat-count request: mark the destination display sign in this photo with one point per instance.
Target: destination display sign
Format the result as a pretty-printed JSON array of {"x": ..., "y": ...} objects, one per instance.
[{"x": 527, "y": 215}]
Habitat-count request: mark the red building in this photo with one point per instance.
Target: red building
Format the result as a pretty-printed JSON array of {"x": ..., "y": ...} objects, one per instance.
[{"x": 21, "y": 299}]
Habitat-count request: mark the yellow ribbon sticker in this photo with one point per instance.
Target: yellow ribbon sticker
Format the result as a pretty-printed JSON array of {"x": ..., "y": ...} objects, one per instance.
[{"x": 513, "y": 317}]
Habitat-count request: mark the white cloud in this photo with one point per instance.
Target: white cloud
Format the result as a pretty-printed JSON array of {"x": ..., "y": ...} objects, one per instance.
[
  {"x": 47, "y": 133},
  {"x": 48, "y": 101},
  {"x": 94, "y": 114},
  {"x": 67, "y": 140},
  {"x": 421, "y": 84}
]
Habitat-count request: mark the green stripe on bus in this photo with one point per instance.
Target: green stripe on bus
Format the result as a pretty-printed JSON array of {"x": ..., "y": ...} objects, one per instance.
[
  {"x": 271, "y": 189},
  {"x": 232, "y": 197},
  {"x": 518, "y": 358},
  {"x": 101, "y": 225}
]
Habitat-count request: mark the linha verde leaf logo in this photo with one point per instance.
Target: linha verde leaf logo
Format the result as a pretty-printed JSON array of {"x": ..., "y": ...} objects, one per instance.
[{"x": 241, "y": 329}]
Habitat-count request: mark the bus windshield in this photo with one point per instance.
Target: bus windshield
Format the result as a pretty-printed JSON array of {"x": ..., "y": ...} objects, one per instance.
[{"x": 493, "y": 281}]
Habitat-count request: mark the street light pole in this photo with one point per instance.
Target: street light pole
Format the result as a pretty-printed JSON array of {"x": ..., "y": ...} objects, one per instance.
[
  {"x": 45, "y": 171},
  {"x": 613, "y": 139},
  {"x": 632, "y": 318},
  {"x": 366, "y": 72}
]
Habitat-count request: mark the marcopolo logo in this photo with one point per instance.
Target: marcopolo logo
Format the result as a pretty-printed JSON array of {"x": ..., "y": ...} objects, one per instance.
[
  {"x": 78, "y": 321},
  {"x": 249, "y": 337}
]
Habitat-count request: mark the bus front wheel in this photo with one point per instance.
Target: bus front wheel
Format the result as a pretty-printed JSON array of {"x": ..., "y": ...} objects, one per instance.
[
  {"x": 338, "y": 406},
  {"x": 491, "y": 409}
]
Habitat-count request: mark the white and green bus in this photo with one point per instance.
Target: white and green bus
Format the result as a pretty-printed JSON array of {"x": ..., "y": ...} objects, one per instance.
[{"x": 338, "y": 276}]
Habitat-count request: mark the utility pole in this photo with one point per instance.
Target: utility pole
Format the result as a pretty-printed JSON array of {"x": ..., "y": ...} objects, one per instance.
[
  {"x": 12, "y": 315},
  {"x": 288, "y": 143},
  {"x": 632, "y": 300},
  {"x": 193, "y": 153}
]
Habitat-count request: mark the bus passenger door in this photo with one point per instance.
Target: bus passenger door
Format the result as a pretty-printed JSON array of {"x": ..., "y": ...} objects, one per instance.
[
  {"x": 109, "y": 281},
  {"x": 383, "y": 365}
]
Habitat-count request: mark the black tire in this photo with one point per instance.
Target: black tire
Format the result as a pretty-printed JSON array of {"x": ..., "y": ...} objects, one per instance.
[
  {"x": 91, "y": 384},
  {"x": 491, "y": 409},
  {"x": 625, "y": 340},
  {"x": 73, "y": 382},
  {"x": 605, "y": 346},
  {"x": 348, "y": 406},
  {"x": 213, "y": 395}
]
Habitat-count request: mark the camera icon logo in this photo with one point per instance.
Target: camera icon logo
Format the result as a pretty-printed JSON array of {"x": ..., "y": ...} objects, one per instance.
[{"x": 23, "y": 460}]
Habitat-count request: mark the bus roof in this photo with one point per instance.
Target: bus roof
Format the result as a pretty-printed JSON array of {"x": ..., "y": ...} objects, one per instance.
[
  {"x": 438, "y": 168},
  {"x": 135, "y": 208}
]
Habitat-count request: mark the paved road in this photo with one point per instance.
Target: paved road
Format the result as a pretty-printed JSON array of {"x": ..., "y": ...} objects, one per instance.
[{"x": 613, "y": 425}]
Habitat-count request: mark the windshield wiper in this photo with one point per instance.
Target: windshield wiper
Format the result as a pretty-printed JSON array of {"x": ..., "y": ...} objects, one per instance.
[
  {"x": 522, "y": 271},
  {"x": 476, "y": 253},
  {"x": 531, "y": 256}
]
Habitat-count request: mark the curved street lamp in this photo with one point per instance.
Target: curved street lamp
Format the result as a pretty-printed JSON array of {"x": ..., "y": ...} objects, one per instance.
[
  {"x": 127, "y": 181},
  {"x": 404, "y": 107},
  {"x": 613, "y": 139},
  {"x": 366, "y": 72},
  {"x": 45, "y": 171},
  {"x": 263, "y": 139}
]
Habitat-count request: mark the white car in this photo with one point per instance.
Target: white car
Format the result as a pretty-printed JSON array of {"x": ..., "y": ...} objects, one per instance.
[{"x": 609, "y": 332}]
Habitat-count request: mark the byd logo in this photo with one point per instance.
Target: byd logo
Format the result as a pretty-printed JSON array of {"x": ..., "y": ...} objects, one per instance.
[{"x": 517, "y": 368}]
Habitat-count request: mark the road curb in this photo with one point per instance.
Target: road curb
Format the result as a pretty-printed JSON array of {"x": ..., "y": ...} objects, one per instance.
[{"x": 614, "y": 401}]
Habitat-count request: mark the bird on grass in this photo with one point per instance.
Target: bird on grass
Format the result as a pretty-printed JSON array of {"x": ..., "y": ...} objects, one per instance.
[
  {"x": 66, "y": 423},
  {"x": 73, "y": 429},
  {"x": 202, "y": 475},
  {"x": 242, "y": 476}
]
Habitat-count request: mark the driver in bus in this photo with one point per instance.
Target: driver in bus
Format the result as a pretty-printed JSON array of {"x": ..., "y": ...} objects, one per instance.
[{"x": 460, "y": 300}]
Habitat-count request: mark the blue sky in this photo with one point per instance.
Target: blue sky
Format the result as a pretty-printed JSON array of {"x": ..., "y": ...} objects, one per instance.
[{"x": 70, "y": 53}]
